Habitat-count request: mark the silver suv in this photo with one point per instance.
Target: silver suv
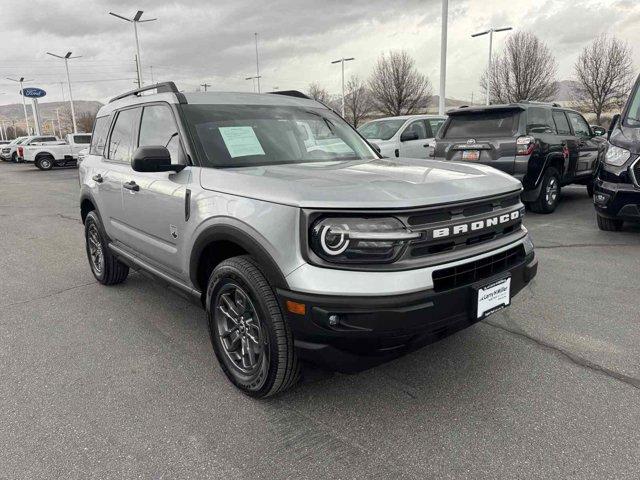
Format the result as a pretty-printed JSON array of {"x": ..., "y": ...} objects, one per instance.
[{"x": 301, "y": 243}]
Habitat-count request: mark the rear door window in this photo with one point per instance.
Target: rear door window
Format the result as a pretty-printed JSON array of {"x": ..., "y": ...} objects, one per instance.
[
  {"x": 540, "y": 120},
  {"x": 121, "y": 140},
  {"x": 99, "y": 137},
  {"x": 562, "y": 124},
  {"x": 483, "y": 124},
  {"x": 82, "y": 139}
]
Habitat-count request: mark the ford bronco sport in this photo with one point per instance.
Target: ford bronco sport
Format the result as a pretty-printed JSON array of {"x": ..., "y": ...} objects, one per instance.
[
  {"x": 542, "y": 145},
  {"x": 302, "y": 244}
]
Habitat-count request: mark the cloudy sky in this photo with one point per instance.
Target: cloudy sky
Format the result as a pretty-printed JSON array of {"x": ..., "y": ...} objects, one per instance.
[{"x": 197, "y": 41}]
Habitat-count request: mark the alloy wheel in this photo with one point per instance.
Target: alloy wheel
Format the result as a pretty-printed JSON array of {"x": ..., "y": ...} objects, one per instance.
[
  {"x": 96, "y": 254},
  {"x": 551, "y": 193}
]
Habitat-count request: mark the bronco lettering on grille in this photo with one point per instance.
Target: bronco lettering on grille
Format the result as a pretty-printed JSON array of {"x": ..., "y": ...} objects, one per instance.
[{"x": 475, "y": 226}]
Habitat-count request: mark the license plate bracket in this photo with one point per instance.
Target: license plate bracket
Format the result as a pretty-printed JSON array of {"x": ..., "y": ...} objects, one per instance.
[
  {"x": 492, "y": 296},
  {"x": 470, "y": 155}
]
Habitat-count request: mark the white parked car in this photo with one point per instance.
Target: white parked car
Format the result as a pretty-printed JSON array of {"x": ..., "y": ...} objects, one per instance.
[
  {"x": 9, "y": 153},
  {"x": 408, "y": 136},
  {"x": 59, "y": 154}
]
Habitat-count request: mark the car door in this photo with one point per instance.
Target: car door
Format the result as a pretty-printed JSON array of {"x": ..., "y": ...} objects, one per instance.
[
  {"x": 154, "y": 202},
  {"x": 569, "y": 142},
  {"x": 587, "y": 146},
  {"x": 118, "y": 154},
  {"x": 413, "y": 140}
]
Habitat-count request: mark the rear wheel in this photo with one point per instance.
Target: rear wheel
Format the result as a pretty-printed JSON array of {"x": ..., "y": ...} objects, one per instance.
[
  {"x": 250, "y": 337},
  {"x": 549, "y": 195},
  {"x": 609, "y": 224},
  {"x": 44, "y": 163},
  {"x": 107, "y": 269},
  {"x": 14, "y": 157}
]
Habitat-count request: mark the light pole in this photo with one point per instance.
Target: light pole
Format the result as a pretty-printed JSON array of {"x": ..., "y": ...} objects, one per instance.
[
  {"x": 443, "y": 56},
  {"x": 254, "y": 78},
  {"x": 257, "y": 63},
  {"x": 205, "y": 85},
  {"x": 489, "y": 71},
  {"x": 66, "y": 65},
  {"x": 21, "y": 80},
  {"x": 342, "y": 60},
  {"x": 135, "y": 21}
]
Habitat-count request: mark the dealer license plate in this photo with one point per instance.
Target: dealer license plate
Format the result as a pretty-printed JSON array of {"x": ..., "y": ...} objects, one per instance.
[
  {"x": 493, "y": 297},
  {"x": 470, "y": 155}
]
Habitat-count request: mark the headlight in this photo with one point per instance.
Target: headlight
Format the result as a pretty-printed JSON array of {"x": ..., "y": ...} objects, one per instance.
[
  {"x": 359, "y": 240},
  {"x": 616, "y": 156}
]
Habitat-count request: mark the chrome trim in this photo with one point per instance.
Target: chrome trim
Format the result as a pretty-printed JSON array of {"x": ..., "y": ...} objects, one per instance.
[{"x": 636, "y": 181}]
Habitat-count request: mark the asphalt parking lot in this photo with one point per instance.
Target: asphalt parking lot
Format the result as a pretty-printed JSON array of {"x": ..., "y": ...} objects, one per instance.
[{"x": 121, "y": 382}]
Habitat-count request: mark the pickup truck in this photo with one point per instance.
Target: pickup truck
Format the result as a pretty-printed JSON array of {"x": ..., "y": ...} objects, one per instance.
[{"x": 59, "y": 154}]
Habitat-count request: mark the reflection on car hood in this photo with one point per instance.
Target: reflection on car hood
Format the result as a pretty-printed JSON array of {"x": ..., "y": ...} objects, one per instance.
[
  {"x": 381, "y": 183},
  {"x": 626, "y": 137}
]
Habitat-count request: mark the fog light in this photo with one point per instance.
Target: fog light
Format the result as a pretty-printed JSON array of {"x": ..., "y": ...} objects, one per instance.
[
  {"x": 334, "y": 320},
  {"x": 600, "y": 198}
]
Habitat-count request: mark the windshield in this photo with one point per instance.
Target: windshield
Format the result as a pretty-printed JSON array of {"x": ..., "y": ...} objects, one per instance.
[
  {"x": 483, "y": 124},
  {"x": 380, "y": 129},
  {"x": 254, "y": 135},
  {"x": 633, "y": 115}
]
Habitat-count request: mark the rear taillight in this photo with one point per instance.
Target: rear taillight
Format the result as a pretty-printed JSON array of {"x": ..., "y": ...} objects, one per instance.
[
  {"x": 20, "y": 151},
  {"x": 525, "y": 145}
]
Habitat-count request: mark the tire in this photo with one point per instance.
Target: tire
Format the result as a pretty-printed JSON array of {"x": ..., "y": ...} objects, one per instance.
[
  {"x": 44, "y": 163},
  {"x": 550, "y": 190},
  {"x": 107, "y": 269},
  {"x": 609, "y": 224},
  {"x": 255, "y": 353},
  {"x": 14, "y": 157},
  {"x": 590, "y": 189}
]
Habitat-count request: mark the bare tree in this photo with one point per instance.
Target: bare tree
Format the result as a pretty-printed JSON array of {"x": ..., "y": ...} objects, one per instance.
[
  {"x": 604, "y": 72},
  {"x": 318, "y": 93},
  {"x": 525, "y": 70},
  {"x": 357, "y": 101},
  {"x": 85, "y": 122},
  {"x": 397, "y": 88}
]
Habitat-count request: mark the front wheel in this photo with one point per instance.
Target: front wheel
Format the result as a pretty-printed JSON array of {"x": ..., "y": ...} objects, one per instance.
[
  {"x": 549, "y": 195},
  {"x": 250, "y": 337},
  {"x": 107, "y": 269}
]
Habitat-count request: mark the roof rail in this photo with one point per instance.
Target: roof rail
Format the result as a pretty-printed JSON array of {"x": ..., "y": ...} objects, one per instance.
[
  {"x": 533, "y": 102},
  {"x": 291, "y": 93},
  {"x": 164, "y": 87}
]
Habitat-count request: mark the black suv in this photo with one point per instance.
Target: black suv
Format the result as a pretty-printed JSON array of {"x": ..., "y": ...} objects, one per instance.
[
  {"x": 617, "y": 187},
  {"x": 542, "y": 145}
]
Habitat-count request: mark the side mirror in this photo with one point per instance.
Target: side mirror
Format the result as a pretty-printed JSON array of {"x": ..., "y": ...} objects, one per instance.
[
  {"x": 152, "y": 158},
  {"x": 598, "y": 131},
  {"x": 612, "y": 125},
  {"x": 408, "y": 135}
]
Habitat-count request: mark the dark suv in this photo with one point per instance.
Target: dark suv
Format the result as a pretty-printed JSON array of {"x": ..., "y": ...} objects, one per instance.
[
  {"x": 542, "y": 145},
  {"x": 617, "y": 187}
]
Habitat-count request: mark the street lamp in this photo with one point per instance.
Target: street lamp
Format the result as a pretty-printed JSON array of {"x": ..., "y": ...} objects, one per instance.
[
  {"x": 257, "y": 77},
  {"x": 135, "y": 20},
  {"x": 490, "y": 32},
  {"x": 21, "y": 80},
  {"x": 342, "y": 60},
  {"x": 66, "y": 65},
  {"x": 443, "y": 56},
  {"x": 254, "y": 78}
]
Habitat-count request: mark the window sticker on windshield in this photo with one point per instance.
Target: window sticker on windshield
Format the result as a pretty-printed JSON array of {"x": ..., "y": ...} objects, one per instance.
[{"x": 241, "y": 141}]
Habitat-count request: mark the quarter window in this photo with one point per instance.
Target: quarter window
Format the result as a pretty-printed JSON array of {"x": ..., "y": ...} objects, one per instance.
[
  {"x": 561, "y": 122},
  {"x": 99, "y": 137},
  {"x": 434, "y": 125},
  {"x": 580, "y": 126},
  {"x": 121, "y": 141},
  {"x": 159, "y": 129}
]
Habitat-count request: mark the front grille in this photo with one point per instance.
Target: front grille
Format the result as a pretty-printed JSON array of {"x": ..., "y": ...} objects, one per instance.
[{"x": 477, "y": 270}]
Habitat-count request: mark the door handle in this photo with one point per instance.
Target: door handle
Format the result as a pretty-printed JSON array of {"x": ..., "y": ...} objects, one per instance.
[
  {"x": 425, "y": 145},
  {"x": 98, "y": 178},
  {"x": 131, "y": 186}
]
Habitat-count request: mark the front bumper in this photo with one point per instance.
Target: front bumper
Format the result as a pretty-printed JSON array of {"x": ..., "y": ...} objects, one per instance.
[
  {"x": 373, "y": 330},
  {"x": 617, "y": 200}
]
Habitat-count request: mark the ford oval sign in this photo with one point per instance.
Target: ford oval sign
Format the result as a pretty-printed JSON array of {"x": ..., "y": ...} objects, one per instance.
[{"x": 33, "y": 92}]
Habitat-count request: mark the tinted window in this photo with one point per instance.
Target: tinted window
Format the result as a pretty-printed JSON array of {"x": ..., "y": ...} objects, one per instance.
[
  {"x": 158, "y": 128},
  {"x": 417, "y": 127},
  {"x": 633, "y": 115},
  {"x": 434, "y": 125},
  {"x": 121, "y": 141},
  {"x": 539, "y": 120},
  {"x": 580, "y": 125},
  {"x": 380, "y": 129},
  {"x": 99, "y": 137},
  {"x": 246, "y": 135},
  {"x": 562, "y": 124},
  {"x": 484, "y": 124},
  {"x": 82, "y": 139}
]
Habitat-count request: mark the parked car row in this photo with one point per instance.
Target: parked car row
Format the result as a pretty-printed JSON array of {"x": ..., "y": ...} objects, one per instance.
[{"x": 45, "y": 152}]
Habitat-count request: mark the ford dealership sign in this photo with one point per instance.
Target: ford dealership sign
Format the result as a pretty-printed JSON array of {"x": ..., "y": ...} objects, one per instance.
[{"x": 33, "y": 92}]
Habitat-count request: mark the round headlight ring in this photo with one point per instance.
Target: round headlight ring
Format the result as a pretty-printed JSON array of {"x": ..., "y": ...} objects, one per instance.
[{"x": 337, "y": 248}]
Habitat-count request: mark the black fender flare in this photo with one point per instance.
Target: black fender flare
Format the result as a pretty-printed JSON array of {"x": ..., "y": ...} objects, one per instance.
[
  {"x": 85, "y": 194},
  {"x": 550, "y": 157},
  {"x": 231, "y": 230}
]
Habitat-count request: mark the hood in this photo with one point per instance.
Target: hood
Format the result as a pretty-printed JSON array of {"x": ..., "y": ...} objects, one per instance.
[
  {"x": 380, "y": 183},
  {"x": 626, "y": 137}
]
